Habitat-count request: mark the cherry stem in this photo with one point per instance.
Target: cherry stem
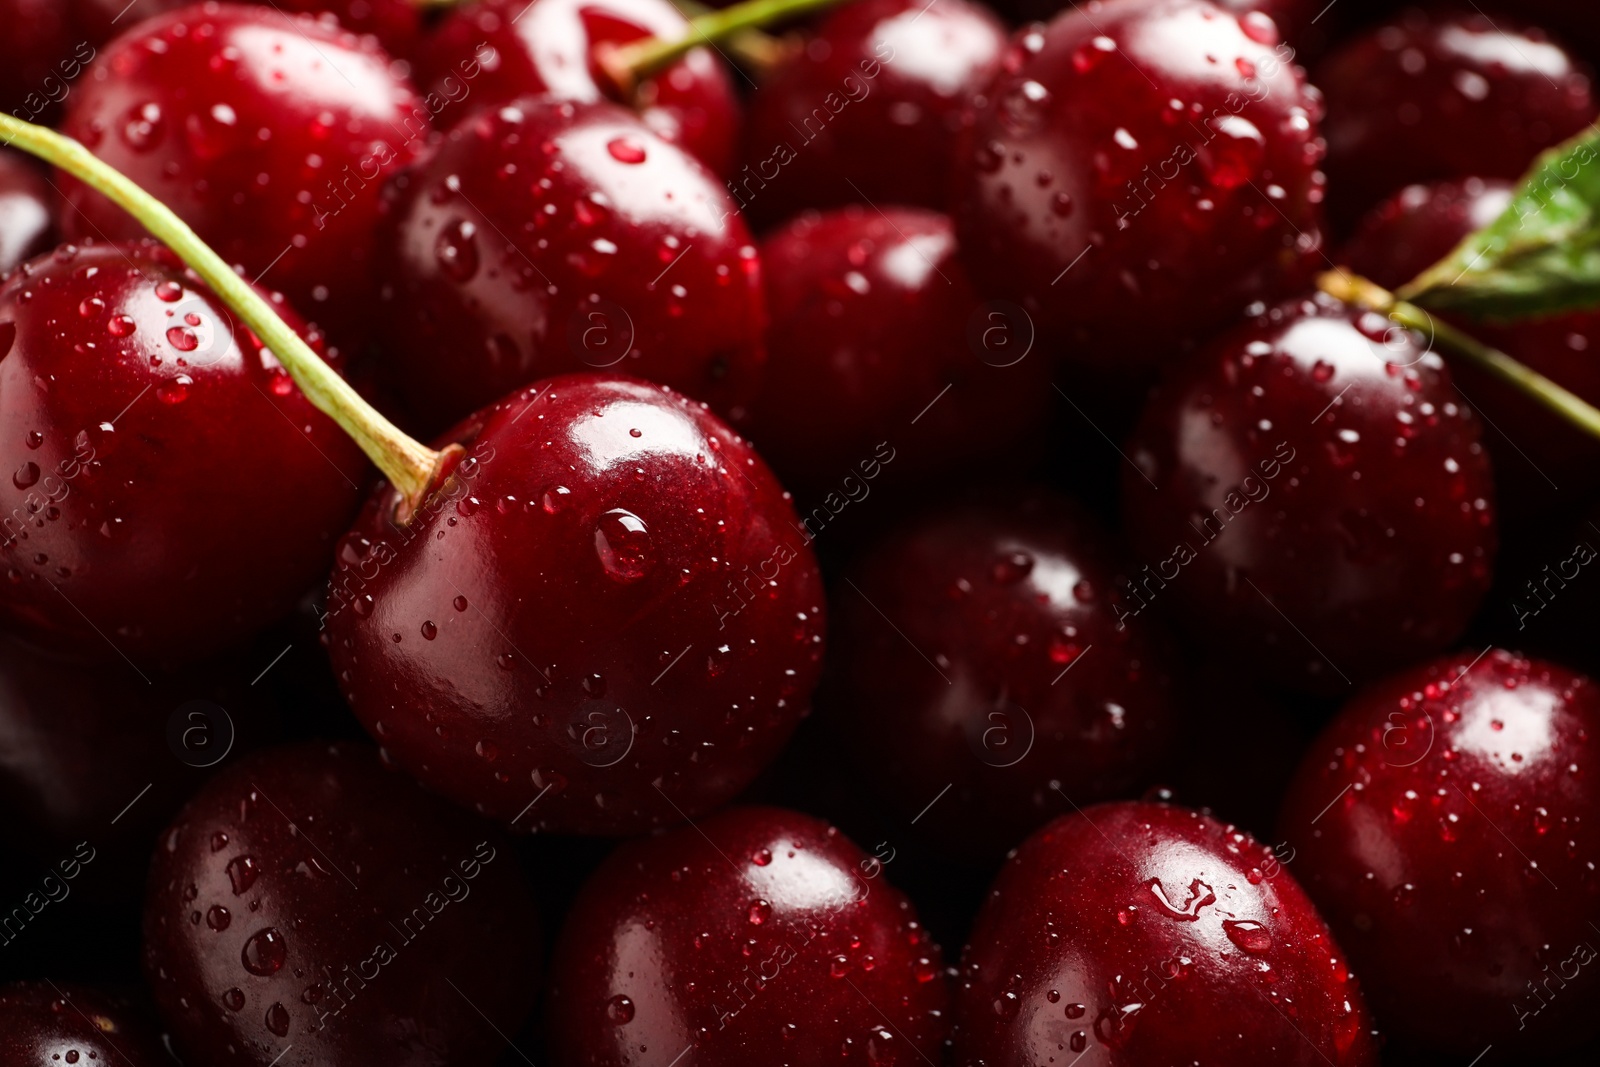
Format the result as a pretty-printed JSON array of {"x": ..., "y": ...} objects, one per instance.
[
  {"x": 629, "y": 64},
  {"x": 759, "y": 51},
  {"x": 1359, "y": 292},
  {"x": 411, "y": 467}
]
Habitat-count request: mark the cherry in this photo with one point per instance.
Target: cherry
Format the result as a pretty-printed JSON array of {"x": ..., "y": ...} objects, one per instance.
[
  {"x": 868, "y": 109},
  {"x": 980, "y": 646},
  {"x": 1157, "y": 935},
  {"x": 606, "y": 621},
  {"x": 547, "y": 236},
  {"x": 1310, "y": 497},
  {"x": 171, "y": 489},
  {"x": 270, "y": 136},
  {"x": 1448, "y": 822},
  {"x": 396, "y": 23},
  {"x": 1430, "y": 96},
  {"x": 1543, "y": 464},
  {"x": 312, "y": 905},
  {"x": 27, "y": 219},
  {"x": 38, "y": 58},
  {"x": 47, "y": 1024},
  {"x": 875, "y": 322},
  {"x": 1139, "y": 154},
  {"x": 497, "y": 50},
  {"x": 769, "y": 932}
]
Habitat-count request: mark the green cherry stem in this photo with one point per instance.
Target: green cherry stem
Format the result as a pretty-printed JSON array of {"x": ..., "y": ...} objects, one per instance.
[
  {"x": 629, "y": 64},
  {"x": 1359, "y": 292},
  {"x": 411, "y": 467}
]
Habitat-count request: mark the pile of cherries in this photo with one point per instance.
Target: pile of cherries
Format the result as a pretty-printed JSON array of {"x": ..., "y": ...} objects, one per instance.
[{"x": 907, "y": 567}]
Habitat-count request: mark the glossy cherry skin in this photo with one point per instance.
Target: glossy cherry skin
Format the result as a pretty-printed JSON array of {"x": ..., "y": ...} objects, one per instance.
[
  {"x": 610, "y": 611},
  {"x": 545, "y": 237},
  {"x": 1426, "y": 97},
  {"x": 270, "y": 136},
  {"x": 396, "y": 23},
  {"x": 27, "y": 215},
  {"x": 873, "y": 319},
  {"x": 492, "y": 52},
  {"x": 868, "y": 110},
  {"x": 762, "y": 933},
  {"x": 1310, "y": 496},
  {"x": 1543, "y": 464},
  {"x": 1139, "y": 154},
  {"x": 48, "y": 1024},
  {"x": 1448, "y": 824},
  {"x": 311, "y": 903},
  {"x": 1153, "y": 934},
  {"x": 171, "y": 489},
  {"x": 1032, "y": 686}
]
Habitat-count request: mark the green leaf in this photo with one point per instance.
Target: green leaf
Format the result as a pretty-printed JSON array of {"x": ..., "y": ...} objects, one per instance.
[{"x": 1541, "y": 257}]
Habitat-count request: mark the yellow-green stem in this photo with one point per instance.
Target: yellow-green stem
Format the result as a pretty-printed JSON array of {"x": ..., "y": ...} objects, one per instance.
[
  {"x": 629, "y": 64},
  {"x": 411, "y": 467},
  {"x": 1360, "y": 292}
]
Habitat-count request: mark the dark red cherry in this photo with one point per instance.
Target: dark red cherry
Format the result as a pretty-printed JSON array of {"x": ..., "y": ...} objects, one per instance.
[
  {"x": 1448, "y": 824},
  {"x": 547, "y": 236},
  {"x": 980, "y": 651},
  {"x": 1542, "y": 463},
  {"x": 607, "y": 620},
  {"x": 1135, "y": 155},
  {"x": 27, "y": 212},
  {"x": 1310, "y": 497},
  {"x": 492, "y": 52},
  {"x": 309, "y": 907},
  {"x": 271, "y": 136},
  {"x": 40, "y": 55},
  {"x": 766, "y": 933},
  {"x": 868, "y": 109},
  {"x": 396, "y": 23},
  {"x": 1136, "y": 933},
  {"x": 875, "y": 323},
  {"x": 170, "y": 490},
  {"x": 1430, "y": 96},
  {"x": 52, "y": 1024}
]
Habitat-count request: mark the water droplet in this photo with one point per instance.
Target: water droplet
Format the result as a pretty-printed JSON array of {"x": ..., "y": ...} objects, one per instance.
[
  {"x": 121, "y": 326},
  {"x": 1250, "y": 936},
  {"x": 459, "y": 603},
  {"x": 218, "y": 918},
  {"x": 555, "y": 499},
  {"x": 839, "y": 967},
  {"x": 429, "y": 630},
  {"x": 1200, "y": 895},
  {"x": 1236, "y": 155},
  {"x": 456, "y": 251},
  {"x": 183, "y": 338},
  {"x": 623, "y": 545},
  {"x": 169, "y": 291},
  {"x": 624, "y": 150},
  {"x": 761, "y": 857},
  {"x": 242, "y": 872},
  {"x": 175, "y": 391},
  {"x": 278, "y": 1020},
  {"x": 264, "y": 953},
  {"x": 143, "y": 126},
  {"x": 26, "y": 476},
  {"x": 619, "y": 1009},
  {"x": 760, "y": 912},
  {"x": 233, "y": 999},
  {"x": 1011, "y": 568},
  {"x": 91, "y": 307}
]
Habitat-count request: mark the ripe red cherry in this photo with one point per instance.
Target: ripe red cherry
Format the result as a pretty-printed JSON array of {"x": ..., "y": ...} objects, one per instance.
[
  {"x": 1028, "y": 685},
  {"x": 38, "y": 60},
  {"x": 608, "y": 621},
  {"x": 547, "y": 236},
  {"x": 1309, "y": 495},
  {"x": 51, "y": 1023},
  {"x": 270, "y": 136},
  {"x": 1542, "y": 464},
  {"x": 1154, "y": 934},
  {"x": 132, "y": 407},
  {"x": 396, "y": 23},
  {"x": 27, "y": 217},
  {"x": 311, "y": 905},
  {"x": 1436, "y": 96},
  {"x": 875, "y": 322},
  {"x": 495, "y": 51},
  {"x": 1139, "y": 154},
  {"x": 1448, "y": 822},
  {"x": 766, "y": 932},
  {"x": 868, "y": 109}
]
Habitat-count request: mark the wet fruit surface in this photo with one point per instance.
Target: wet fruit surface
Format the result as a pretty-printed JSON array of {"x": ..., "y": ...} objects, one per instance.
[
  {"x": 1153, "y": 934},
  {"x": 1139, "y": 154},
  {"x": 311, "y": 907},
  {"x": 762, "y": 932},
  {"x": 27, "y": 218},
  {"x": 1445, "y": 96},
  {"x": 868, "y": 110},
  {"x": 546, "y": 237},
  {"x": 878, "y": 342},
  {"x": 607, "y": 622},
  {"x": 396, "y": 23},
  {"x": 46, "y": 1023},
  {"x": 1310, "y": 496},
  {"x": 270, "y": 136},
  {"x": 1448, "y": 823},
  {"x": 132, "y": 409},
  {"x": 490, "y": 53},
  {"x": 979, "y": 649}
]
